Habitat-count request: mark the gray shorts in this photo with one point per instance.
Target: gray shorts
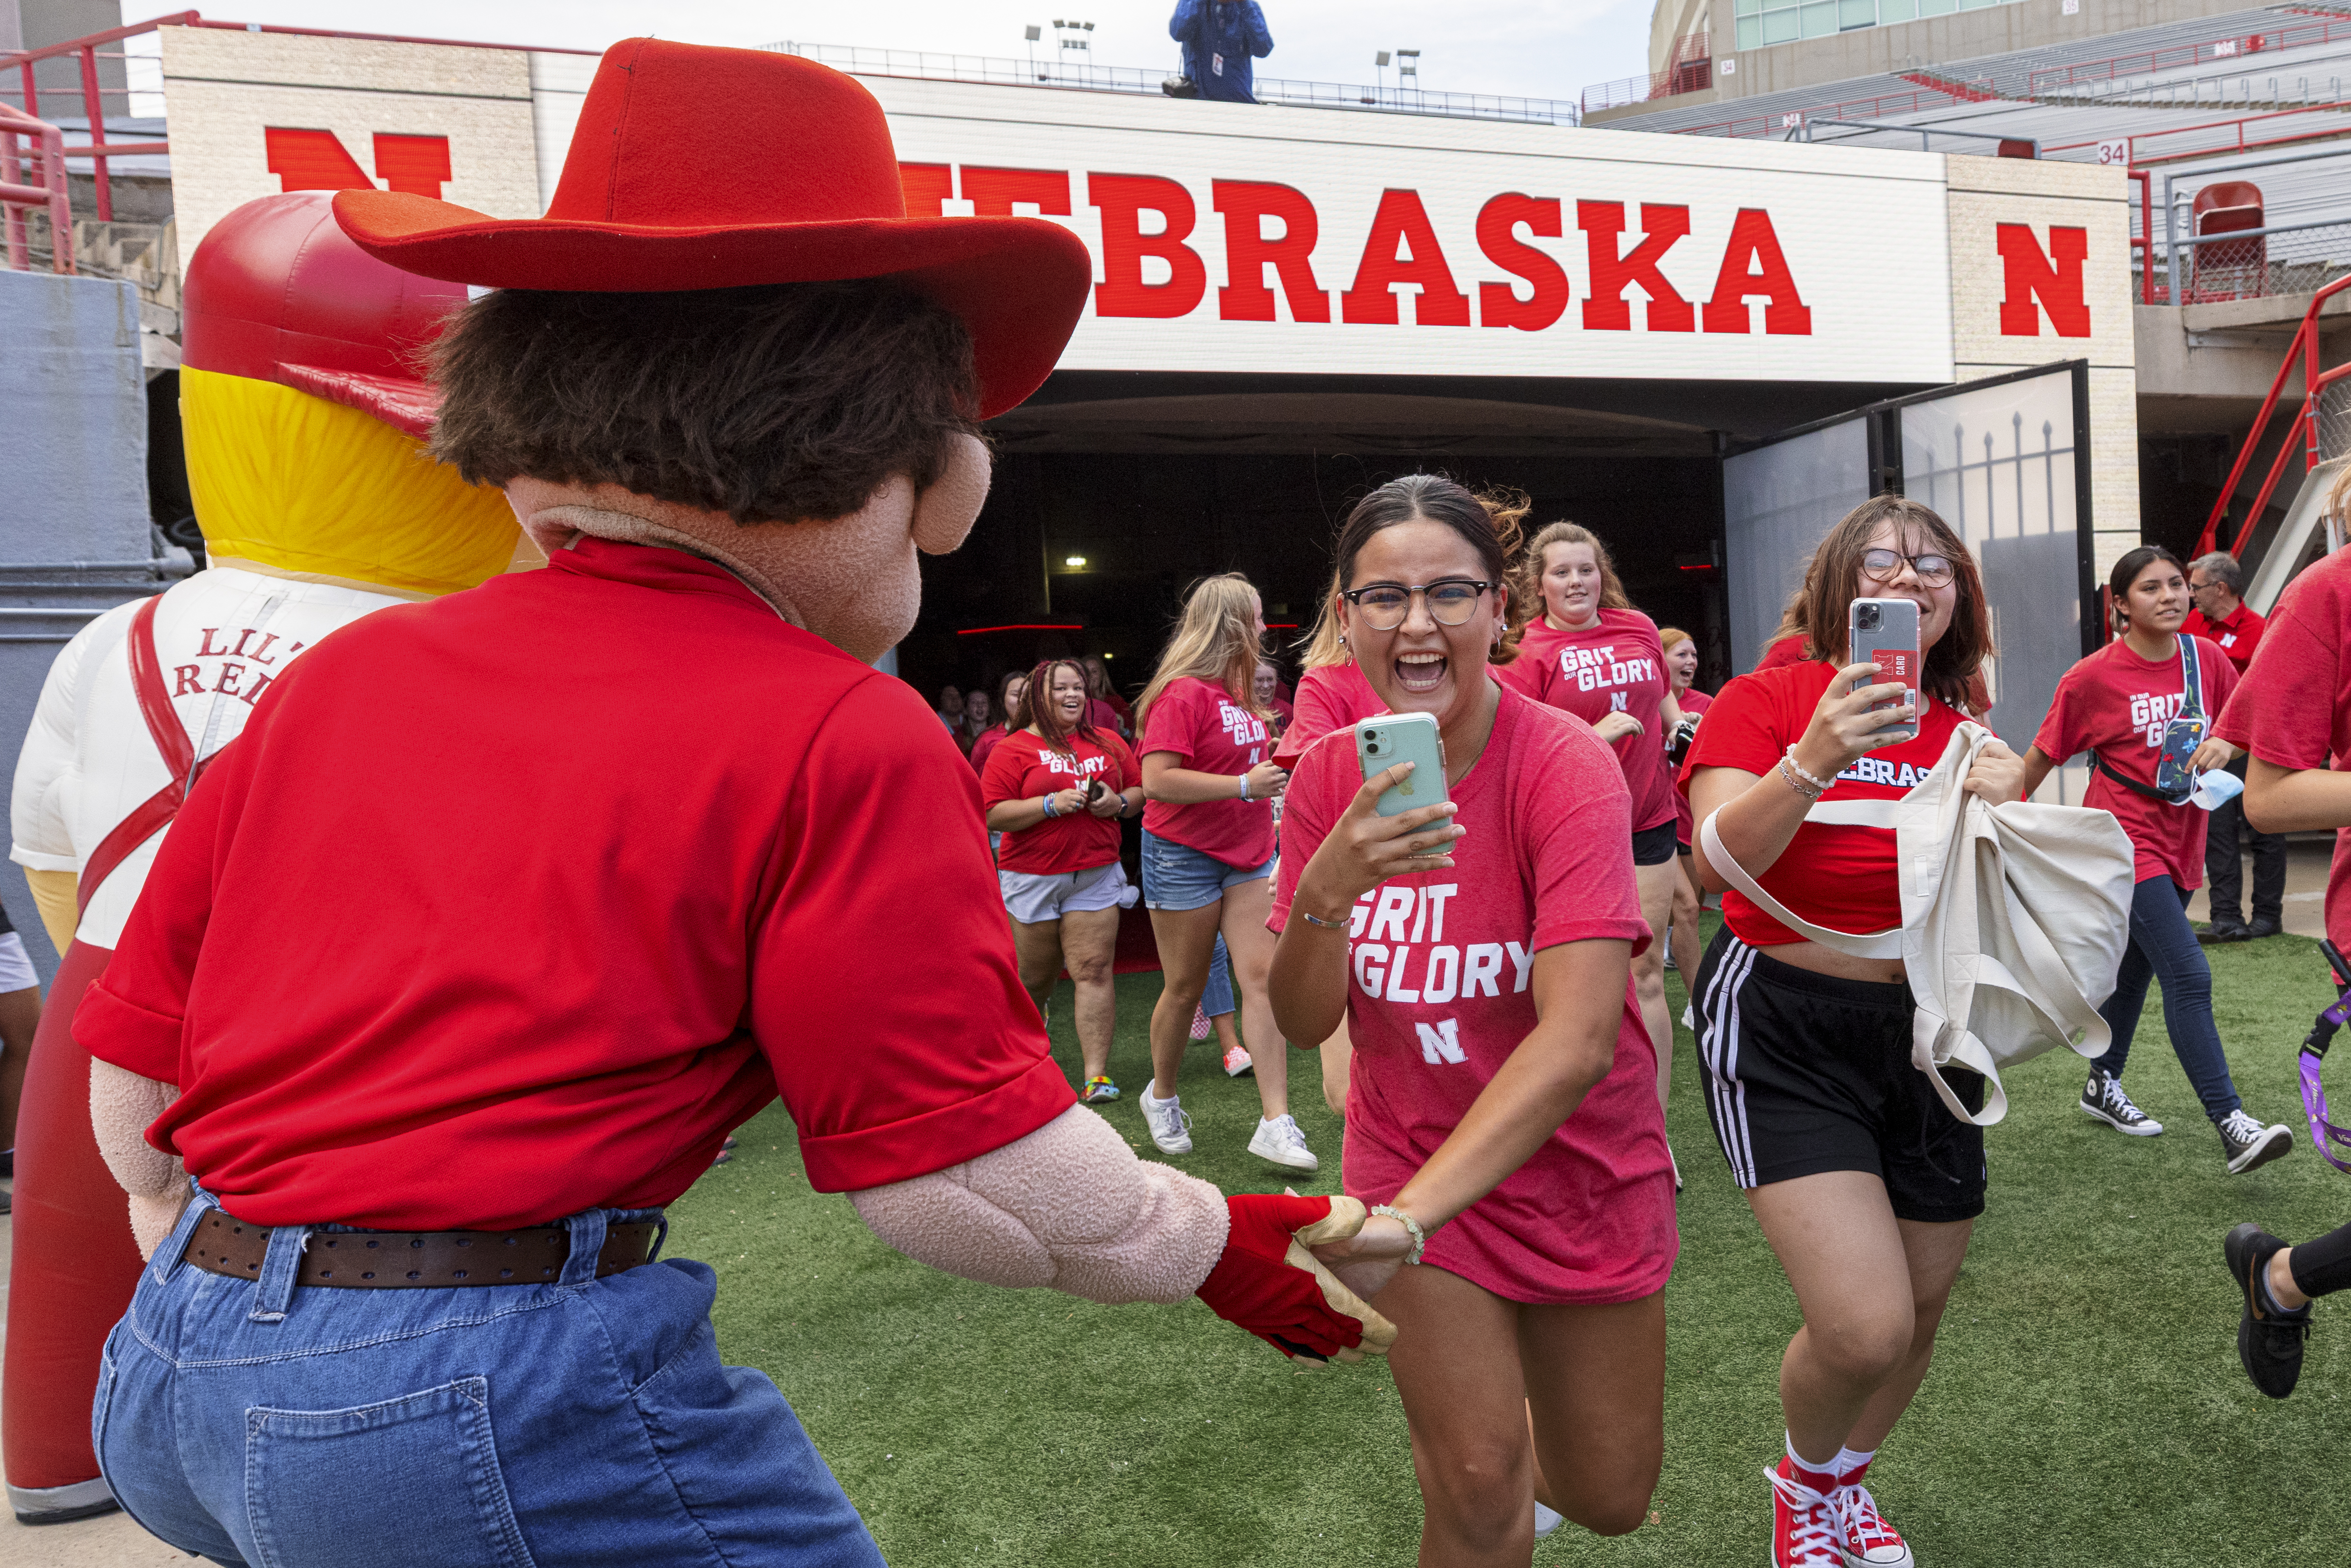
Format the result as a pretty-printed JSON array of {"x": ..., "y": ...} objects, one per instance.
[{"x": 1035, "y": 897}]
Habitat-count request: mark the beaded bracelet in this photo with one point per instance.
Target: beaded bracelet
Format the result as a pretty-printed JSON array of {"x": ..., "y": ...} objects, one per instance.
[
  {"x": 1818, "y": 783},
  {"x": 1419, "y": 1236}
]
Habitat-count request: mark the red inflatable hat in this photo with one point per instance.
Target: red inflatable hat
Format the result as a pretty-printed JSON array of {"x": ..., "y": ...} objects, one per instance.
[
  {"x": 705, "y": 168},
  {"x": 277, "y": 292}
]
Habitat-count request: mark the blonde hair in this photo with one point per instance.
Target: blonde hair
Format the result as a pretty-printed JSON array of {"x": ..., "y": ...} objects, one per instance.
[
  {"x": 1322, "y": 644},
  {"x": 1669, "y": 636},
  {"x": 1214, "y": 641},
  {"x": 1611, "y": 587}
]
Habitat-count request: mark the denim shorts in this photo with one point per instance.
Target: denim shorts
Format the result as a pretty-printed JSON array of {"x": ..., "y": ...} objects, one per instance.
[
  {"x": 1033, "y": 897},
  {"x": 1177, "y": 877},
  {"x": 585, "y": 1422}
]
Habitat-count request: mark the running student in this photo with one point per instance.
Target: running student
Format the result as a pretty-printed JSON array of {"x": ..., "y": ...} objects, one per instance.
[
  {"x": 1689, "y": 899},
  {"x": 2116, "y": 705},
  {"x": 1591, "y": 653},
  {"x": 1503, "y": 1107},
  {"x": 1057, "y": 789},
  {"x": 1866, "y": 1187},
  {"x": 1331, "y": 694},
  {"x": 2293, "y": 714},
  {"x": 1208, "y": 854}
]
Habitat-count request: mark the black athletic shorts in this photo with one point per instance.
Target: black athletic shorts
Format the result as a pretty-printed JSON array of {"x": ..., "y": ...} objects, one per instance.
[
  {"x": 1806, "y": 1073},
  {"x": 1653, "y": 846}
]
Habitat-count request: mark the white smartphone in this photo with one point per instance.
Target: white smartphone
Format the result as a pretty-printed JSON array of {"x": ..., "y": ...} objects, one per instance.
[
  {"x": 1885, "y": 631},
  {"x": 1381, "y": 743}
]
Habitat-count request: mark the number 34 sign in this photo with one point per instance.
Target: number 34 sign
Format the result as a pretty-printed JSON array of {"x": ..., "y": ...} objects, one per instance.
[{"x": 2115, "y": 152}]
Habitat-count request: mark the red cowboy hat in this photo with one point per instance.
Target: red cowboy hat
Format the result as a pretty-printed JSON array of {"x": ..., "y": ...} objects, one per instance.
[
  {"x": 277, "y": 293},
  {"x": 703, "y": 167}
]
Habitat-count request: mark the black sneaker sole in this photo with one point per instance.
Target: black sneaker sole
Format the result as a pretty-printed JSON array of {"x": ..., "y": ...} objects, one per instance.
[
  {"x": 2276, "y": 1372},
  {"x": 2275, "y": 1145},
  {"x": 2144, "y": 1130}
]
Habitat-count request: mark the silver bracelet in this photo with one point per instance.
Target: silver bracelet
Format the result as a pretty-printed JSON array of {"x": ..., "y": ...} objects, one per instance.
[
  {"x": 1814, "y": 780},
  {"x": 1419, "y": 1236},
  {"x": 1338, "y": 925},
  {"x": 1788, "y": 772},
  {"x": 1244, "y": 777}
]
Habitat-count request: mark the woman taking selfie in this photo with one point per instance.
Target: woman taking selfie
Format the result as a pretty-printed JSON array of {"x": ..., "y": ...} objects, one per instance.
[
  {"x": 1589, "y": 652},
  {"x": 1682, "y": 926},
  {"x": 2127, "y": 705},
  {"x": 1503, "y": 1111},
  {"x": 1057, "y": 789},
  {"x": 1207, "y": 851},
  {"x": 1866, "y": 1184}
]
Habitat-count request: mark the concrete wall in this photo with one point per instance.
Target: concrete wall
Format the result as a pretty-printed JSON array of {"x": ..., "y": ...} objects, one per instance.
[{"x": 75, "y": 534}]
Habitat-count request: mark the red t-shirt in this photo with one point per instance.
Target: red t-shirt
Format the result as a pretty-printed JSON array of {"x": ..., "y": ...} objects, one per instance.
[
  {"x": 1787, "y": 651},
  {"x": 460, "y": 934},
  {"x": 1693, "y": 702},
  {"x": 1023, "y": 768},
  {"x": 1441, "y": 965},
  {"x": 2294, "y": 708},
  {"x": 2236, "y": 637},
  {"x": 1616, "y": 666},
  {"x": 1841, "y": 877},
  {"x": 1330, "y": 697},
  {"x": 989, "y": 739},
  {"x": 1208, "y": 732},
  {"x": 2115, "y": 704}
]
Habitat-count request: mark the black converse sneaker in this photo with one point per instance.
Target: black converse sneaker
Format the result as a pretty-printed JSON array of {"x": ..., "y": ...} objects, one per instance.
[
  {"x": 2269, "y": 1339},
  {"x": 2250, "y": 1145},
  {"x": 2103, "y": 1100}
]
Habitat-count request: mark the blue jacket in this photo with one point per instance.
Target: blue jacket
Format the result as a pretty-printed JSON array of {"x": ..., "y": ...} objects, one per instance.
[{"x": 1231, "y": 31}]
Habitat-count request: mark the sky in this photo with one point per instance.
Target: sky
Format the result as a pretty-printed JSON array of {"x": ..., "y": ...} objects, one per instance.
[{"x": 1533, "y": 48}]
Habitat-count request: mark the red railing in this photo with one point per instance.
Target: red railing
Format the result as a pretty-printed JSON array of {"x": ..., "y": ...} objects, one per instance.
[
  {"x": 2143, "y": 241},
  {"x": 1691, "y": 70},
  {"x": 2314, "y": 382},
  {"x": 93, "y": 97},
  {"x": 2147, "y": 147},
  {"x": 15, "y": 195},
  {"x": 2292, "y": 35}
]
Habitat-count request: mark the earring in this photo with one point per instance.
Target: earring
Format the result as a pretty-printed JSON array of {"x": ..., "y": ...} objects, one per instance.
[{"x": 1342, "y": 639}]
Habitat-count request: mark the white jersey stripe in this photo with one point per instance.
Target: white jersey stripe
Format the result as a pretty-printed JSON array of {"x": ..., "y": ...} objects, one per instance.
[{"x": 1719, "y": 1049}]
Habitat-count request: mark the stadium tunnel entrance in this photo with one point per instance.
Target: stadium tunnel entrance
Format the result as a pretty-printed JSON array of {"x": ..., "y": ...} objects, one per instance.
[{"x": 1115, "y": 491}]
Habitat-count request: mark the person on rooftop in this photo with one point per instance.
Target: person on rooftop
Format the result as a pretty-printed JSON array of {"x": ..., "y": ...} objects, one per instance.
[{"x": 1220, "y": 37}]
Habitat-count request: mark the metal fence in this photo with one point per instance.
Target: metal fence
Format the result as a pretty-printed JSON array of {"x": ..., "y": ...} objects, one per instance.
[{"x": 2253, "y": 264}]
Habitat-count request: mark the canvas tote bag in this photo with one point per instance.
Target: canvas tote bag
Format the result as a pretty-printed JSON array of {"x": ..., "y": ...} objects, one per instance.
[{"x": 2015, "y": 920}]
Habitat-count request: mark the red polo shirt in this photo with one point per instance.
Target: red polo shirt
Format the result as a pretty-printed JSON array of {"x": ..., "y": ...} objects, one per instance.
[
  {"x": 514, "y": 903},
  {"x": 2236, "y": 635}
]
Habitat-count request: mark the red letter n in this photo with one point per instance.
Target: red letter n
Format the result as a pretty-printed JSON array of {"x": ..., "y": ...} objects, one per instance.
[
  {"x": 1246, "y": 204},
  {"x": 2032, "y": 275},
  {"x": 312, "y": 160},
  {"x": 1122, "y": 200},
  {"x": 1752, "y": 264},
  {"x": 414, "y": 165},
  {"x": 1608, "y": 309},
  {"x": 1401, "y": 220}
]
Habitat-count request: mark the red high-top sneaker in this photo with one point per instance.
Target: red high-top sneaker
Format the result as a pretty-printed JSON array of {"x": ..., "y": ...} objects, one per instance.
[
  {"x": 1804, "y": 1527},
  {"x": 1866, "y": 1539}
]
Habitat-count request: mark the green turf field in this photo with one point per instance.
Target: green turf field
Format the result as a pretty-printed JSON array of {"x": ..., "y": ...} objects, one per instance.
[{"x": 2085, "y": 1406}]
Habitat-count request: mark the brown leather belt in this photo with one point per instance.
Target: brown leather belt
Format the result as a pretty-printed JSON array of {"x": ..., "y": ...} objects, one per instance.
[{"x": 415, "y": 1260}]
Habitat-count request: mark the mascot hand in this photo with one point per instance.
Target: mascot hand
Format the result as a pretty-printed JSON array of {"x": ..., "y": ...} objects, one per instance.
[{"x": 1268, "y": 1284}]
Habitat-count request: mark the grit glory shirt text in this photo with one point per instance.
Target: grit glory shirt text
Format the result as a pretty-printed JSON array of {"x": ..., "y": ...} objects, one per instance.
[{"x": 1389, "y": 924}]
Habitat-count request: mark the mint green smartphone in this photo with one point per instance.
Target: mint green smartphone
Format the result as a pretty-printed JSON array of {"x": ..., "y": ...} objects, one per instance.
[{"x": 1381, "y": 743}]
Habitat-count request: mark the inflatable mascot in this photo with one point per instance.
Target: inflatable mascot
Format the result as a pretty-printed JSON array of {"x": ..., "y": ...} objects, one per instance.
[
  {"x": 508, "y": 908},
  {"x": 304, "y": 417}
]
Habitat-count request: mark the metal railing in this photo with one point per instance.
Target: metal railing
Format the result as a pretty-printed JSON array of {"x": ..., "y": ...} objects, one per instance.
[
  {"x": 2303, "y": 349},
  {"x": 17, "y": 195},
  {"x": 2243, "y": 133},
  {"x": 2289, "y": 36},
  {"x": 93, "y": 97},
  {"x": 1774, "y": 124},
  {"x": 1002, "y": 71},
  {"x": 2250, "y": 263},
  {"x": 1690, "y": 70}
]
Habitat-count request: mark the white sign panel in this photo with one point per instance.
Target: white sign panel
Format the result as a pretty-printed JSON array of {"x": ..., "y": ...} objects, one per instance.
[{"x": 1233, "y": 238}]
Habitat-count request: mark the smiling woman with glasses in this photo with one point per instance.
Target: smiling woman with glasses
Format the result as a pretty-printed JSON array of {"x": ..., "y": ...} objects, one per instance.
[{"x": 1385, "y": 604}]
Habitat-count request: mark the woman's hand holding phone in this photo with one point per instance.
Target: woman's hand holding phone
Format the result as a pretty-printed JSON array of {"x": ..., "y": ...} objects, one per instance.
[
  {"x": 1364, "y": 849},
  {"x": 1845, "y": 729},
  {"x": 1103, "y": 801}
]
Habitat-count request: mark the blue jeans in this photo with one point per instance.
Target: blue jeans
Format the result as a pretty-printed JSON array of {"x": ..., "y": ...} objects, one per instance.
[
  {"x": 1177, "y": 877},
  {"x": 1217, "y": 998},
  {"x": 2163, "y": 946},
  {"x": 585, "y": 1422}
]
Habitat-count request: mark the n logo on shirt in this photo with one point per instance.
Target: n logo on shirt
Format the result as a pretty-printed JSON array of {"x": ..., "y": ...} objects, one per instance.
[{"x": 1441, "y": 1043}]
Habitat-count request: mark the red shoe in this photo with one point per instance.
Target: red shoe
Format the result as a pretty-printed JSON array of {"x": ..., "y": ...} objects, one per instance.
[
  {"x": 1804, "y": 1527},
  {"x": 1866, "y": 1539}
]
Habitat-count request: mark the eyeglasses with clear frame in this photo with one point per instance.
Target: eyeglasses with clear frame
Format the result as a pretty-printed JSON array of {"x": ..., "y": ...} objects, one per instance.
[
  {"x": 1880, "y": 565},
  {"x": 1452, "y": 601}
]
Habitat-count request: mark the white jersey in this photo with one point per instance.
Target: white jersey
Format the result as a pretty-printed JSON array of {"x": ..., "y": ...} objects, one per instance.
[{"x": 220, "y": 637}]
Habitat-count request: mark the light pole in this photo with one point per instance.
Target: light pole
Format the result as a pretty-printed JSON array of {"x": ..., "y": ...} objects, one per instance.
[
  {"x": 1032, "y": 33},
  {"x": 1071, "y": 37},
  {"x": 1408, "y": 65},
  {"x": 1379, "y": 66}
]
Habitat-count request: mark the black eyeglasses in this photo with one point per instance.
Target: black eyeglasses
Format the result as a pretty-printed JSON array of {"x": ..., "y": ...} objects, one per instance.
[
  {"x": 1451, "y": 602},
  {"x": 1880, "y": 565}
]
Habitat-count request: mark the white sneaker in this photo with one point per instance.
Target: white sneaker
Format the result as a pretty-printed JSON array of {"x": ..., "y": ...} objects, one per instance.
[
  {"x": 1280, "y": 1141},
  {"x": 1171, "y": 1129},
  {"x": 1546, "y": 1521},
  {"x": 1689, "y": 1019}
]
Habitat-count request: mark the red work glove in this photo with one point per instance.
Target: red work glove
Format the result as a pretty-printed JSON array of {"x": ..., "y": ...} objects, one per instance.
[{"x": 1268, "y": 1284}]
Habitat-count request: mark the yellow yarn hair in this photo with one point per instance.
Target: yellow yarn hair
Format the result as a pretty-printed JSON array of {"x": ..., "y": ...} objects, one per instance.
[{"x": 307, "y": 485}]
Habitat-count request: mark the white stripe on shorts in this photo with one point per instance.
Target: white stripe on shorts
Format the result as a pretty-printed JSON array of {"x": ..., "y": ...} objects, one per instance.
[{"x": 1718, "y": 1048}]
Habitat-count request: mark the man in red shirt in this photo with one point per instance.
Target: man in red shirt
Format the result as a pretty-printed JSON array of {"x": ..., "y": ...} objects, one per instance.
[
  {"x": 2223, "y": 618},
  {"x": 465, "y": 956}
]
